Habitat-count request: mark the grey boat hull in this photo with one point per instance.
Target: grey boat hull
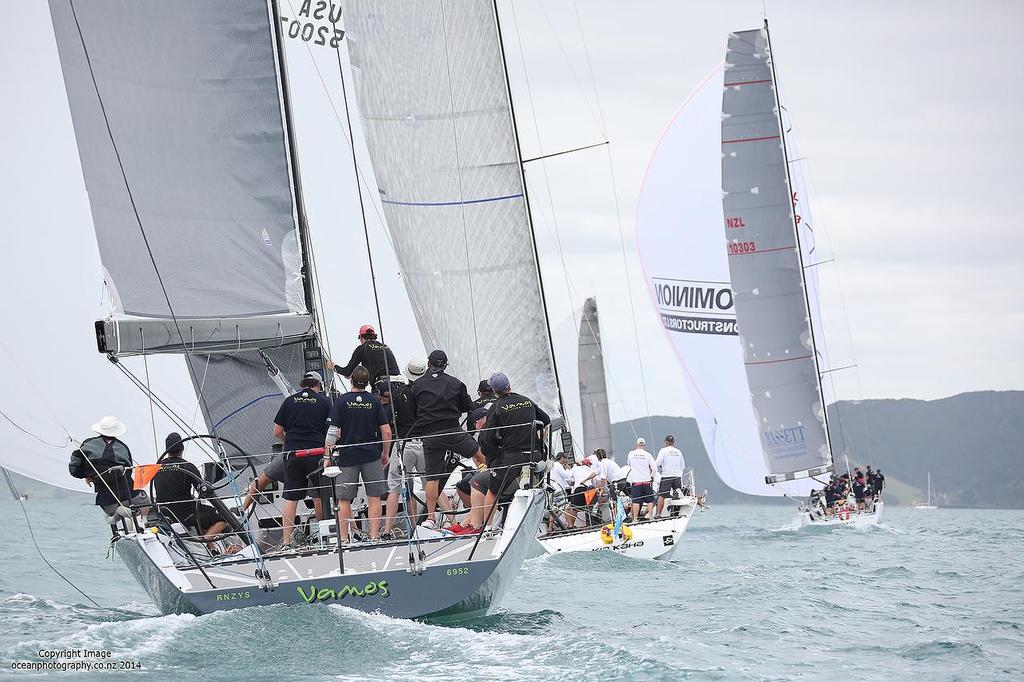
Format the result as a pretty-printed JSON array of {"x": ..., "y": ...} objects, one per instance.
[{"x": 448, "y": 584}]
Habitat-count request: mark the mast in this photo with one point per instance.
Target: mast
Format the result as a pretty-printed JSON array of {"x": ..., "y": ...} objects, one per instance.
[
  {"x": 529, "y": 213},
  {"x": 799, "y": 248},
  {"x": 293, "y": 166}
]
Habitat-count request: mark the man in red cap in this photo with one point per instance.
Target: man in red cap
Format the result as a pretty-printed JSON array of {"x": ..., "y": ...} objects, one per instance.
[{"x": 372, "y": 354}]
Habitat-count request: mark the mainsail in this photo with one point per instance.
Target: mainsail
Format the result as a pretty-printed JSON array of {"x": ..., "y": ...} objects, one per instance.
[
  {"x": 680, "y": 219},
  {"x": 766, "y": 267},
  {"x": 597, "y": 423},
  {"x": 436, "y": 111},
  {"x": 179, "y": 112}
]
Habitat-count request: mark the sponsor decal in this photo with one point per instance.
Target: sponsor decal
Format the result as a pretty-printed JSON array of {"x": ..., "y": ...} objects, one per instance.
[
  {"x": 695, "y": 307},
  {"x": 232, "y": 596},
  {"x": 668, "y": 540},
  {"x": 788, "y": 441},
  {"x": 623, "y": 546},
  {"x": 316, "y": 23},
  {"x": 328, "y": 593}
]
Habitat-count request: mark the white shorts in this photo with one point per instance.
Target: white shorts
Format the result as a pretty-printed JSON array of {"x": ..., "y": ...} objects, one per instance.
[{"x": 415, "y": 465}]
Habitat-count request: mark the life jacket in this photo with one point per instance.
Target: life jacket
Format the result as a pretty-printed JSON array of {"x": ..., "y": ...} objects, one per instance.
[{"x": 100, "y": 454}]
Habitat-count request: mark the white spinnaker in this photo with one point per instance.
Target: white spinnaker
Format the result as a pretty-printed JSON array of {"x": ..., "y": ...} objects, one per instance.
[{"x": 679, "y": 233}]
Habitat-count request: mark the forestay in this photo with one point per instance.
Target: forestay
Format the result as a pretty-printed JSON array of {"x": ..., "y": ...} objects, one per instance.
[
  {"x": 435, "y": 109},
  {"x": 766, "y": 268},
  {"x": 597, "y": 424}
]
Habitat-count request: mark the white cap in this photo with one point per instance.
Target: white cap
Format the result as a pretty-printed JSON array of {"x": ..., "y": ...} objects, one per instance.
[
  {"x": 641, "y": 441},
  {"x": 416, "y": 368},
  {"x": 110, "y": 427}
]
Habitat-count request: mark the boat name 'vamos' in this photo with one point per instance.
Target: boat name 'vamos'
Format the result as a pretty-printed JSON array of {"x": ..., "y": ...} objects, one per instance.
[{"x": 327, "y": 593}]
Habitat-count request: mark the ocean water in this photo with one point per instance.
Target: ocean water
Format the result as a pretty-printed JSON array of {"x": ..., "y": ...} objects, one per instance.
[{"x": 934, "y": 595}]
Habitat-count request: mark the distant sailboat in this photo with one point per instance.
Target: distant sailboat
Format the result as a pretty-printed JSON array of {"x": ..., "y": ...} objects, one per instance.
[
  {"x": 928, "y": 503},
  {"x": 741, "y": 312}
]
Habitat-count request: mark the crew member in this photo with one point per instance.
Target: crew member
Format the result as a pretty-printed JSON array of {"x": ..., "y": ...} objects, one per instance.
[
  {"x": 301, "y": 424},
  {"x": 359, "y": 425},
  {"x": 641, "y": 478},
  {"x": 372, "y": 354},
  {"x": 176, "y": 487},
  {"x": 671, "y": 464},
  {"x": 582, "y": 475},
  {"x": 485, "y": 396},
  {"x": 509, "y": 440},
  {"x": 105, "y": 463},
  {"x": 438, "y": 402},
  {"x": 272, "y": 473}
]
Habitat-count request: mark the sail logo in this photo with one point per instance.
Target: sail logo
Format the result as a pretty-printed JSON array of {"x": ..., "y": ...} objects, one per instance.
[
  {"x": 316, "y": 23},
  {"x": 788, "y": 441},
  {"x": 695, "y": 307}
]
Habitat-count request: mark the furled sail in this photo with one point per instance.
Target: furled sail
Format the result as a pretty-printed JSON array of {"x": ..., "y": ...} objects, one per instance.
[
  {"x": 179, "y": 115},
  {"x": 680, "y": 240},
  {"x": 766, "y": 267},
  {"x": 435, "y": 109},
  {"x": 597, "y": 423}
]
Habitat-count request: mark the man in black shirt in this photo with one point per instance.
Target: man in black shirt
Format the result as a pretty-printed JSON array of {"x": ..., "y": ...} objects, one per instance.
[
  {"x": 301, "y": 424},
  {"x": 175, "y": 487},
  {"x": 509, "y": 439},
  {"x": 372, "y": 354},
  {"x": 438, "y": 403}
]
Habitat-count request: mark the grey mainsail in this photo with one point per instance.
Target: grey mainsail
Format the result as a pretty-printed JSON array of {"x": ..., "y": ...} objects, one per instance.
[
  {"x": 766, "y": 269},
  {"x": 179, "y": 114},
  {"x": 435, "y": 108},
  {"x": 597, "y": 423}
]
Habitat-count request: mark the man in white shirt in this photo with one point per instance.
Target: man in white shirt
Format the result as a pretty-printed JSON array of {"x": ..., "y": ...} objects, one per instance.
[
  {"x": 641, "y": 479},
  {"x": 671, "y": 464},
  {"x": 561, "y": 481}
]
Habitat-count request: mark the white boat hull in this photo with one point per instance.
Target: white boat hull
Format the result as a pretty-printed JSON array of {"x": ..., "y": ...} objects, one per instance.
[
  {"x": 854, "y": 519},
  {"x": 657, "y": 539}
]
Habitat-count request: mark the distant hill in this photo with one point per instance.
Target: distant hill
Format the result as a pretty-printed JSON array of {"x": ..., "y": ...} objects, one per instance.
[{"x": 972, "y": 443}]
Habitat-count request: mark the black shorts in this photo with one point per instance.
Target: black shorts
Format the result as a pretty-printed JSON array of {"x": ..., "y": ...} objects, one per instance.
[
  {"x": 463, "y": 485},
  {"x": 579, "y": 496},
  {"x": 642, "y": 493},
  {"x": 505, "y": 471},
  {"x": 296, "y": 477},
  {"x": 436, "y": 447},
  {"x": 667, "y": 485}
]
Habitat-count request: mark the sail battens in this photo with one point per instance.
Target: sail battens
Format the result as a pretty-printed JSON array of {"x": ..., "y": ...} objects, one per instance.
[
  {"x": 463, "y": 202},
  {"x": 452, "y": 186},
  {"x": 755, "y": 82},
  {"x": 771, "y": 308}
]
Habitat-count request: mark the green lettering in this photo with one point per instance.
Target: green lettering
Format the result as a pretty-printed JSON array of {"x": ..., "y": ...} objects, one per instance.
[
  {"x": 347, "y": 590},
  {"x": 326, "y": 593},
  {"x": 312, "y": 593},
  {"x": 383, "y": 587},
  {"x": 370, "y": 589}
]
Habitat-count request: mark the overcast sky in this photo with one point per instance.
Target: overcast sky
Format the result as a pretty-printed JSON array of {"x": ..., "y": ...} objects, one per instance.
[{"x": 909, "y": 114}]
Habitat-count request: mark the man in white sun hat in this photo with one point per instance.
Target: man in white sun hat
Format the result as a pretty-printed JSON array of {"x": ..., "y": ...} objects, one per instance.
[{"x": 106, "y": 464}]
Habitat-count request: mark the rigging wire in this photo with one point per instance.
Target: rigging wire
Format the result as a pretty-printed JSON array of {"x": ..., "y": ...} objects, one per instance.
[{"x": 39, "y": 551}]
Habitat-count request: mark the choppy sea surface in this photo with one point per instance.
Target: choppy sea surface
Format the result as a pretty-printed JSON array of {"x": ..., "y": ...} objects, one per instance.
[{"x": 932, "y": 595}]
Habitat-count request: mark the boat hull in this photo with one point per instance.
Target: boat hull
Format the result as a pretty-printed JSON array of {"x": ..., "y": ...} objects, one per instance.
[
  {"x": 657, "y": 539},
  {"x": 453, "y": 581},
  {"x": 854, "y": 520}
]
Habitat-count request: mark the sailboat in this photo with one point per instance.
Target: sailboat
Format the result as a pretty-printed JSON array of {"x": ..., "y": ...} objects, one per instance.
[
  {"x": 928, "y": 502},
  {"x": 188, "y": 156},
  {"x": 727, "y": 244},
  {"x": 649, "y": 539}
]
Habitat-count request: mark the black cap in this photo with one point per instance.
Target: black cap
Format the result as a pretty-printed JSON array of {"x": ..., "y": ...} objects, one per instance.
[
  {"x": 484, "y": 387},
  {"x": 173, "y": 443},
  {"x": 670, "y": 439},
  {"x": 478, "y": 413},
  {"x": 437, "y": 358}
]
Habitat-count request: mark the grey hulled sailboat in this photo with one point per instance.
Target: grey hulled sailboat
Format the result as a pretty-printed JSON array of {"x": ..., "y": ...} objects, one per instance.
[{"x": 181, "y": 112}]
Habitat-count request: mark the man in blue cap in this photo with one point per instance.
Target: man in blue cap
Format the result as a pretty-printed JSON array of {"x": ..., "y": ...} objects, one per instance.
[{"x": 510, "y": 439}]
